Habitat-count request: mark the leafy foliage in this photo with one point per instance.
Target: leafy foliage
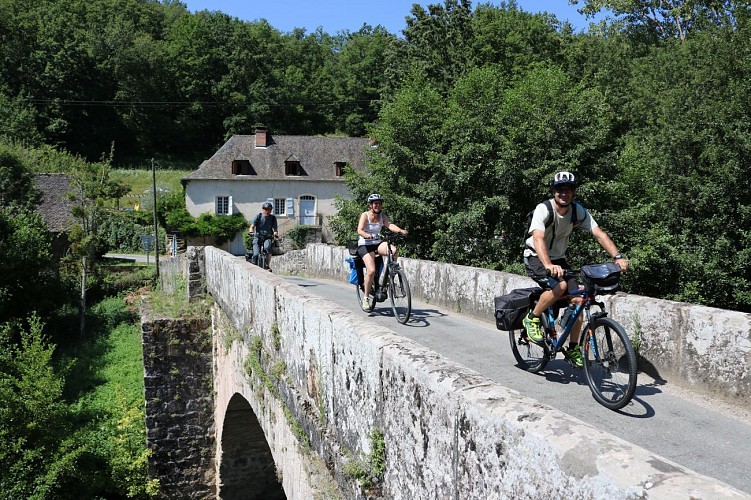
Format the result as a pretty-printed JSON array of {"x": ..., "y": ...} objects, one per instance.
[
  {"x": 16, "y": 181},
  {"x": 33, "y": 414},
  {"x": 25, "y": 263},
  {"x": 122, "y": 231}
]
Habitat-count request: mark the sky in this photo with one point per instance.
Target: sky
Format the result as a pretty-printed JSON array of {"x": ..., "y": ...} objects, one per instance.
[{"x": 339, "y": 15}]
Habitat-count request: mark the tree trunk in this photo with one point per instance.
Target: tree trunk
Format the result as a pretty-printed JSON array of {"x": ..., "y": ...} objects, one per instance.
[{"x": 82, "y": 305}]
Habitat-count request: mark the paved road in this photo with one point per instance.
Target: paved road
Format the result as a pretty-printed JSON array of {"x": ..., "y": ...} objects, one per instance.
[
  {"x": 136, "y": 257},
  {"x": 707, "y": 436}
]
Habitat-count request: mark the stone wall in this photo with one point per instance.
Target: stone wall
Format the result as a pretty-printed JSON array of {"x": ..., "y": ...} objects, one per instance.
[
  {"x": 705, "y": 348},
  {"x": 178, "y": 386},
  {"x": 390, "y": 418}
]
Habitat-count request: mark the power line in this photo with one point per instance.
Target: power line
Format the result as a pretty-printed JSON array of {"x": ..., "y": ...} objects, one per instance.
[{"x": 154, "y": 104}]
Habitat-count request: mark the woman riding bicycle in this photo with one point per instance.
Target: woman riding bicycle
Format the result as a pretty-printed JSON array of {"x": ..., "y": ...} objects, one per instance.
[
  {"x": 553, "y": 222},
  {"x": 369, "y": 228}
]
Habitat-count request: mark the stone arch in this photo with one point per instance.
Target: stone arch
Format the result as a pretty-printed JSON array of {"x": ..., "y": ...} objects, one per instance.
[{"x": 247, "y": 469}]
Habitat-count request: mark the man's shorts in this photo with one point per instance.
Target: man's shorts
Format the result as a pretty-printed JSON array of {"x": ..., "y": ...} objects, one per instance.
[
  {"x": 363, "y": 250},
  {"x": 537, "y": 272}
]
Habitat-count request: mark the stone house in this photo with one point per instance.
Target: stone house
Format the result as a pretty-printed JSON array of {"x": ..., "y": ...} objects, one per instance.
[
  {"x": 55, "y": 209},
  {"x": 299, "y": 175}
]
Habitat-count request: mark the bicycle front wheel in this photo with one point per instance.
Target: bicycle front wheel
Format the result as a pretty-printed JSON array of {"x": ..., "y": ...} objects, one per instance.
[
  {"x": 262, "y": 260},
  {"x": 609, "y": 363},
  {"x": 530, "y": 356},
  {"x": 401, "y": 297}
]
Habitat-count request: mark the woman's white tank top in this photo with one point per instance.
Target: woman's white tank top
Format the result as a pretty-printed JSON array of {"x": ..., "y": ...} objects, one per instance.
[{"x": 372, "y": 228}]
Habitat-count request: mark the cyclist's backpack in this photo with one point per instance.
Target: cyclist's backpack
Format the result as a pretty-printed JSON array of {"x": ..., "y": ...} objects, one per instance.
[
  {"x": 549, "y": 220},
  {"x": 257, "y": 220},
  {"x": 511, "y": 308}
]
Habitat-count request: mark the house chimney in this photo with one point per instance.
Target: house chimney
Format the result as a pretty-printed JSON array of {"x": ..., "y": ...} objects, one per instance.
[{"x": 260, "y": 137}]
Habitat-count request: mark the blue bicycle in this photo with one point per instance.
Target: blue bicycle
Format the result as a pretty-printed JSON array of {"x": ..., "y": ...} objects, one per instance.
[{"x": 610, "y": 362}]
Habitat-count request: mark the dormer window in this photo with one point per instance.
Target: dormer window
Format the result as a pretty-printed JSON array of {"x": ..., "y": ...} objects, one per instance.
[
  {"x": 242, "y": 166},
  {"x": 339, "y": 168},
  {"x": 292, "y": 167}
]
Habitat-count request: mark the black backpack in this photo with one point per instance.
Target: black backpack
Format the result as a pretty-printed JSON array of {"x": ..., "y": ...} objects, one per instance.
[
  {"x": 257, "y": 220},
  {"x": 549, "y": 220}
]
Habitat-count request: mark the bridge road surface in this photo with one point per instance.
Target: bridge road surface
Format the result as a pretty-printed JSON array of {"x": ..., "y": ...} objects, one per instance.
[{"x": 707, "y": 436}]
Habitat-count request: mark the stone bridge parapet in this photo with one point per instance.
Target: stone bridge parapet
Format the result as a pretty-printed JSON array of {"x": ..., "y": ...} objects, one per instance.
[
  {"x": 351, "y": 410},
  {"x": 702, "y": 348}
]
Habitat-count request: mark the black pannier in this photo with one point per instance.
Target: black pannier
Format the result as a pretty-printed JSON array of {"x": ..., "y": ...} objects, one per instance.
[
  {"x": 352, "y": 248},
  {"x": 602, "y": 278},
  {"x": 511, "y": 308}
]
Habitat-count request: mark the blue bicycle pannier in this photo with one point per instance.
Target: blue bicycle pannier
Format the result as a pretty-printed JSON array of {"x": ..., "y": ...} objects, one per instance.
[
  {"x": 511, "y": 308},
  {"x": 352, "y": 271},
  {"x": 602, "y": 278}
]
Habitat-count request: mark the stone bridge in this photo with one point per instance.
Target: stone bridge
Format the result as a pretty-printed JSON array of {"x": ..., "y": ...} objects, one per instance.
[{"x": 281, "y": 394}]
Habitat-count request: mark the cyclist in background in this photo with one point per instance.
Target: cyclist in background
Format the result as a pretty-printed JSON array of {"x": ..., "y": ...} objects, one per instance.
[
  {"x": 369, "y": 228},
  {"x": 263, "y": 228},
  {"x": 545, "y": 250}
]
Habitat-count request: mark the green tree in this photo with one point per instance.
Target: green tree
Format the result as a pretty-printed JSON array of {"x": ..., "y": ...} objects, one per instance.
[
  {"x": 91, "y": 189},
  {"x": 17, "y": 187},
  {"x": 24, "y": 264},
  {"x": 438, "y": 40},
  {"x": 669, "y": 18},
  {"x": 358, "y": 76},
  {"x": 33, "y": 414}
]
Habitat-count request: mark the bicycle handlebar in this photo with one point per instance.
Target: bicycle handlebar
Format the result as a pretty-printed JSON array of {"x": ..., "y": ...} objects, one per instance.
[
  {"x": 567, "y": 273},
  {"x": 388, "y": 236}
]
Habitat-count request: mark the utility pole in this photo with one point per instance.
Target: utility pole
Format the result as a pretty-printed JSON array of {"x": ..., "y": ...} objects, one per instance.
[{"x": 156, "y": 228}]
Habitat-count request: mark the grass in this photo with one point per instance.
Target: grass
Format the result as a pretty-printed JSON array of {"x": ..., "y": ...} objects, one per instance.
[
  {"x": 107, "y": 386},
  {"x": 140, "y": 182}
]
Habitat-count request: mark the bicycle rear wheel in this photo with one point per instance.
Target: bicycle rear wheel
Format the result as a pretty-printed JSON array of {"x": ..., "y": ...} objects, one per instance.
[
  {"x": 609, "y": 363},
  {"x": 401, "y": 297},
  {"x": 530, "y": 356}
]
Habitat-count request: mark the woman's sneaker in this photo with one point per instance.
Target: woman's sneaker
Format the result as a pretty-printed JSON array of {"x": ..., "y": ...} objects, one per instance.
[
  {"x": 534, "y": 329},
  {"x": 365, "y": 303}
]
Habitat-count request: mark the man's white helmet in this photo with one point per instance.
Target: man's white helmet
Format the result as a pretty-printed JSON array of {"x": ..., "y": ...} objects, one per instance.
[{"x": 564, "y": 179}]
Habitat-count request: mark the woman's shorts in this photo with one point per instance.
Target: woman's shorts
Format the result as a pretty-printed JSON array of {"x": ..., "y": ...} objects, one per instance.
[{"x": 363, "y": 250}]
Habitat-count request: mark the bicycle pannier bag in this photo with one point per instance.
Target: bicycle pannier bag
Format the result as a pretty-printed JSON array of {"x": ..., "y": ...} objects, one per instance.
[
  {"x": 352, "y": 271},
  {"x": 511, "y": 308},
  {"x": 352, "y": 248},
  {"x": 602, "y": 278}
]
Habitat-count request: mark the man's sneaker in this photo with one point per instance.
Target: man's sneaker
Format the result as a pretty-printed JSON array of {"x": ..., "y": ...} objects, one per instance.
[
  {"x": 574, "y": 354},
  {"x": 534, "y": 328},
  {"x": 365, "y": 303}
]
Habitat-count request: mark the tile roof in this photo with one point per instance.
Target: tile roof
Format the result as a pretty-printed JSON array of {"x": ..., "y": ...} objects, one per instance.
[
  {"x": 54, "y": 207},
  {"x": 317, "y": 156}
]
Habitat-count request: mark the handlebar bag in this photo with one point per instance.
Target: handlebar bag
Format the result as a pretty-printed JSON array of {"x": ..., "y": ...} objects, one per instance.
[
  {"x": 602, "y": 278},
  {"x": 511, "y": 308}
]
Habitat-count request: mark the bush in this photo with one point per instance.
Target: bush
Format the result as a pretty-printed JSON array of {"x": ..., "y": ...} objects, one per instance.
[
  {"x": 123, "y": 230},
  {"x": 299, "y": 235}
]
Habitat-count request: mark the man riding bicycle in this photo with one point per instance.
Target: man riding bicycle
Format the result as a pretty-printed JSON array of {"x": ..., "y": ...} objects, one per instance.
[
  {"x": 262, "y": 229},
  {"x": 553, "y": 221}
]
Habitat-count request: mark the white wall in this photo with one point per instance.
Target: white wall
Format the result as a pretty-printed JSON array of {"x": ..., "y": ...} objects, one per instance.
[{"x": 249, "y": 195}]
